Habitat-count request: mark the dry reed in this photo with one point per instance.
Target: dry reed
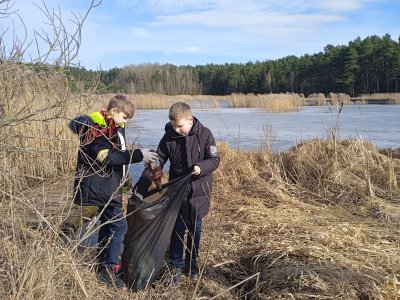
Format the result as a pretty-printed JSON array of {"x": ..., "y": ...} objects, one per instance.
[
  {"x": 268, "y": 102},
  {"x": 296, "y": 224},
  {"x": 36, "y": 107},
  {"x": 304, "y": 221},
  {"x": 393, "y": 98},
  {"x": 317, "y": 221},
  {"x": 332, "y": 99},
  {"x": 158, "y": 101}
]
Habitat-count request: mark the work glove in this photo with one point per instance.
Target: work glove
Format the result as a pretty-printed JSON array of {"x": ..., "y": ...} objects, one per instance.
[
  {"x": 157, "y": 173},
  {"x": 196, "y": 171},
  {"x": 149, "y": 155}
]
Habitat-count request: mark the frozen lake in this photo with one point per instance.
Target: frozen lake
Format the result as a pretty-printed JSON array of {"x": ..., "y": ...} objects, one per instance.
[{"x": 254, "y": 129}]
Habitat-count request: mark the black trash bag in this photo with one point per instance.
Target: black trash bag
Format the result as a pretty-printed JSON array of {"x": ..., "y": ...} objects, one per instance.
[{"x": 150, "y": 225}]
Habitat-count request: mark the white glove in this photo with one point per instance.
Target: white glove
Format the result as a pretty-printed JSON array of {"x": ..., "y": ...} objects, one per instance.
[{"x": 149, "y": 155}]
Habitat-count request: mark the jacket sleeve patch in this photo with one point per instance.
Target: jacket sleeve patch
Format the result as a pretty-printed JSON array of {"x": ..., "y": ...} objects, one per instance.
[
  {"x": 214, "y": 151},
  {"x": 102, "y": 155}
]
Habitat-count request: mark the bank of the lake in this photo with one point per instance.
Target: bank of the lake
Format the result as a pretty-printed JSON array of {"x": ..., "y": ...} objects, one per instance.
[{"x": 317, "y": 221}]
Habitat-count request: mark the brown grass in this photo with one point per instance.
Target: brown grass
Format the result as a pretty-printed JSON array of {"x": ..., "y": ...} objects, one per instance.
[
  {"x": 319, "y": 221},
  {"x": 306, "y": 222},
  {"x": 268, "y": 102},
  {"x": 157, "y": 101},
  {"x": 332, "y": 99},
  {"x": 393, "y": 98},
  {"x": 36, "y": 143},
  {"x": 300, "y": 224}
]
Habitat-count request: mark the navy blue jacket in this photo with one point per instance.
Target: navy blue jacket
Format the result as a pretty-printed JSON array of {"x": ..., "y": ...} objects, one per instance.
[
  {"x": 196, "y": 148},
  {"x": 101, "y": 160}
]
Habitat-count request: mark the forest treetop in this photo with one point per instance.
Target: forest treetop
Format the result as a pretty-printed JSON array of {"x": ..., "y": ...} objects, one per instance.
[{"x": 364, "y": 66}]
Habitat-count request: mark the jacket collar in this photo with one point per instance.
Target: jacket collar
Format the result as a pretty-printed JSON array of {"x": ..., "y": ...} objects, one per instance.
[
  {"x": 103, "y": 124},
  {"x": 103, "y": 120}
]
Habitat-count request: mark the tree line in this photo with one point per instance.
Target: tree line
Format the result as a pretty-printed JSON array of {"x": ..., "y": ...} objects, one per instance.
[{"x": 370, "y": 65}]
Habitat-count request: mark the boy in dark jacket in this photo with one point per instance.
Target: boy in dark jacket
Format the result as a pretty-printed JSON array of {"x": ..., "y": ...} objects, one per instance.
[
  {"x": 101, "y": 174},
  {"x": 190, "y": 148}
]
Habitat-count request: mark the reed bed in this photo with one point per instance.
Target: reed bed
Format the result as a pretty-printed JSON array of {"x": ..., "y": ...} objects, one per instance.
[
  {"x": 268, "y": 102},
  {"x": 338, "y": 99},
  {"x": 332, "y": 99},
  {"x": 319, "y": 221},
  {"x": 158, "y": 101},
  {"x": 393, "y": 98},
  {"x": 36, "y": 144}
]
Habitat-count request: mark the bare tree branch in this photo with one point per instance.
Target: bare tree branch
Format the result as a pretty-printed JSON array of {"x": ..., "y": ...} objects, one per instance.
[{"x": 56, "y": 45}]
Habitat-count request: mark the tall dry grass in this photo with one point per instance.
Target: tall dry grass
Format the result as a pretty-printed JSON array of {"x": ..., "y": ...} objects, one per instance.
[
  {"x": 300, "y": 224},
  {"x": 332, "y": 99},
  {"x": 391, "y": 97},
  {"x": 158, "y": 101},
  {"x": 317, "y": 221},
  {"x": 36, "y": 107},
  {"x": 268, "y": 102},
  {"x": 37, "y": 148}
]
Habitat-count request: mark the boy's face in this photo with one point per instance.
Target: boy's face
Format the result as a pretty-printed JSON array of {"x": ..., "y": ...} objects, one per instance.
[
  {"x": 183, "y": 125},
  {"x": 119, "y": 117}
]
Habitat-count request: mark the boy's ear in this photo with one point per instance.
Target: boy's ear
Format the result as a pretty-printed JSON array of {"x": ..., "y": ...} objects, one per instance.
[{"x": 114, "y": 111}]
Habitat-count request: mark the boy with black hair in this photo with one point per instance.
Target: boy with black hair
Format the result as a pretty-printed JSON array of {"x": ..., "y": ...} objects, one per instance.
[
  {"x": 101, "y": 175},
  {"x": 190, "y": 148}
]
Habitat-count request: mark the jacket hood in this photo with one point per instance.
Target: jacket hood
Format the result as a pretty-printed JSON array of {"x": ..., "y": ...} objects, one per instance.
[
  {"x": 77, "y": 124},
  {"x": 172, "y": 133}
]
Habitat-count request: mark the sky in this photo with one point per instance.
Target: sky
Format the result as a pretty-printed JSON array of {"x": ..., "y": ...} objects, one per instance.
[{"x": 118, "y": 33}]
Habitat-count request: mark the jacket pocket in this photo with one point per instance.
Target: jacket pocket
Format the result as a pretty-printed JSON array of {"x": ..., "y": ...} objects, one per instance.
[
  {"x": 102, "y": 188},
  {"x": 202, "y": 187}
]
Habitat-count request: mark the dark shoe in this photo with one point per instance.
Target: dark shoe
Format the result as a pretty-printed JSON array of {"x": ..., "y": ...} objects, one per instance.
[
  {"x": 109, "y": 276},
  {"x": 192, "y": 270},
  {"x": 194, "y": 275},
  {"x": 176, "y": 274}
]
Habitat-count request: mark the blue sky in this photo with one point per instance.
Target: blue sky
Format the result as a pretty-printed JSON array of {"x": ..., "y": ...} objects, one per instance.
[{"x": 197, "y": 32}]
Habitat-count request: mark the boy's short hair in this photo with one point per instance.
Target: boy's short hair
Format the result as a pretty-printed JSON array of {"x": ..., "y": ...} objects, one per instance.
[
  {"x": 179, "y": 110},
  {"x": 122, "y": 103}
]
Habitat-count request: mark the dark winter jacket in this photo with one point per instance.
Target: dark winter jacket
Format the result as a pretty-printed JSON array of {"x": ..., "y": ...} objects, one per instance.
[
  {"x": 101, "y": 160},
  {"x": 184, "y": 152}
]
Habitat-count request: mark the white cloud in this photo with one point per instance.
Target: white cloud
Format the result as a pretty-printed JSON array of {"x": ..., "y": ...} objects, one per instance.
[
  {"x": 173, "y": 6},
  {"x": 164, "y": 6},
  {"x": 139, "y": 32},
  {"x": 191, "y": 49},
  {"x": 238, "y": 20},
  {"x": 344, "y": 6}
]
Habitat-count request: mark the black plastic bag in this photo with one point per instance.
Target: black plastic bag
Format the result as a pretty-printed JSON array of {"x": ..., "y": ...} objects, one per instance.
[{"x": 150, "y": 225}]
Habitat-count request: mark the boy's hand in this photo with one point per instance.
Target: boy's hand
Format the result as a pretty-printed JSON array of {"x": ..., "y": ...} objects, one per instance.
[
  {"x": 157, "y": 174},
  {"x": 196, "y": 170},
  {"x": 149, "y": 156}
]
